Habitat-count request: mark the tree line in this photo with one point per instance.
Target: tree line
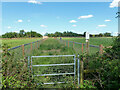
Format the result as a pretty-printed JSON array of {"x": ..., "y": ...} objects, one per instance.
[
  {"x": 71, "y": 34},
  {"x": 22, "y": 33}
]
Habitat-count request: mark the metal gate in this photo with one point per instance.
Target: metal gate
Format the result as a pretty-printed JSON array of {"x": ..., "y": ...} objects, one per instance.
[{"x": 30, "y": 60}]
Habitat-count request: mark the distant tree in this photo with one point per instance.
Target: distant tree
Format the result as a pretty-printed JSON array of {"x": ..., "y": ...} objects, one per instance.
[
  {"x": 107, "y": 34},
  {"x": 101, "y": 35},
  {"x": 22, "y": 33},
  {"x": 46, "y": 34},
  {"x": 84, "y": 34}
]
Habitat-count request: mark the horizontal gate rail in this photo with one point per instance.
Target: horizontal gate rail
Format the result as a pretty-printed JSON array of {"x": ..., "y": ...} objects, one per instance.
[
  {"x": 53, "y": 64},
  {"x": 53, "y": 56},
  {"x": 54, "y": 74}
]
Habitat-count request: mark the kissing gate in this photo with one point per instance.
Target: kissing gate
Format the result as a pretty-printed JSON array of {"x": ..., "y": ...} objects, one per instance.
[{"x": 30, "y": 63}]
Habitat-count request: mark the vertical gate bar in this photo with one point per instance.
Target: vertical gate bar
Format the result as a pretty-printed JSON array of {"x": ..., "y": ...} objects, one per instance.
[
  {"x": 74, "y": 67},
  {"x": 28, "y": 62},
  {"x": 31, "y": 65},
  {"x": 78, "y": 71}
]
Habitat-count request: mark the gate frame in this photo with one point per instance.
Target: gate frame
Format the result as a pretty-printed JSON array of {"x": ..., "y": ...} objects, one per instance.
[{"x": 74, "y": 58}]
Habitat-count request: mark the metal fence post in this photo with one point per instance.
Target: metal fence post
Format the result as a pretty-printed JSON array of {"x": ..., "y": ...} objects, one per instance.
[
  {"x": 74, "y": 67},
  {"x": 31, "y": 65},
  {"x": 23, "y": 50},
  {"x": 78, "y": 71},
  {"x": 28, "y": 62}
]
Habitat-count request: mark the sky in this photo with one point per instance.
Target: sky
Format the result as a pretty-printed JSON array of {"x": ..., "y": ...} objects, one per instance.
[{"x": 42, "y": 17}]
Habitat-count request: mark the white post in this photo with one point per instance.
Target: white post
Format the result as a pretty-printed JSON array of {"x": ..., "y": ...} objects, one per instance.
[{"x": 87, "y": 42}]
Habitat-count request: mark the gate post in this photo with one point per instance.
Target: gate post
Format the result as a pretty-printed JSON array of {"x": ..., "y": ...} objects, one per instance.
[
  {"x": 74, "y": 67},
  {"x": 81, "y": 71}
]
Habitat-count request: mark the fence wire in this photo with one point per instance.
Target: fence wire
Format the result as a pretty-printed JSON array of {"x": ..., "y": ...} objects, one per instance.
[
  {"x": 79, "y": 49},
  {"x": 24, "y": 50}
]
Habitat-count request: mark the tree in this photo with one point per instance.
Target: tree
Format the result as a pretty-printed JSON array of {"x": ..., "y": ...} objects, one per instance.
[
  {"x": 22, "y": 32},
  {"x": 107, "y": 34},
  {"x": 101, "y": 35}
]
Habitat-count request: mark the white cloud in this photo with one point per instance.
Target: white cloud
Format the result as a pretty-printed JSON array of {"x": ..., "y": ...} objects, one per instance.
[
  {"x": 115, "y": 4},
  {"x": 74, "y": 25},
  {"x": 43, "y": 26},
  {"x": 87, "y": 16},
  {"x": 107, "y": 20},
  {"x": 9, "y": 27},
  {"x": 34, "y": 2},
  {"x": 72, "y": 21},
  {"x": 20, "y": 20},
  {"x": 101, "y": 25}
]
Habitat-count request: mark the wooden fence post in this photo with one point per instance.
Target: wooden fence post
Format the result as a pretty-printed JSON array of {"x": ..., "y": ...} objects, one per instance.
[
  {"x": 68, "y": 43},
  {"x": 23, "y": 50},
  {"x": 65, "y": 43},
  {"x": 82, "y": 48},
  {"x": 101, "y": 49},
  {"x": 31, "y": 47},
  {"x": 87, "y": 46},
  {"x": 81, "y": 71},
  {"x": 35, "y": 45},
  {"x": 73, "y": 44}
]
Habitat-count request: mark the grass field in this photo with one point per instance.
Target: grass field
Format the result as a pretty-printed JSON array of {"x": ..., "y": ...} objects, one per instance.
[
  {"x": 15, "y": 42},
  {"x": 105, "y": 41}
]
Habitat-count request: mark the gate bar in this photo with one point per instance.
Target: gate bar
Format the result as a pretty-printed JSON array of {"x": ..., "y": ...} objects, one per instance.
[
  {"x": 53, "y": 56},
  {"x": 53, "y": 64},
  {"x": 53, "y": 74}
]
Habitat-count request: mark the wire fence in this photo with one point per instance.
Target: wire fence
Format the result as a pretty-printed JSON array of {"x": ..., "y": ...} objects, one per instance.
[
  {"x": 24, "y": 50},
  {"x": 82, "y": 47}
]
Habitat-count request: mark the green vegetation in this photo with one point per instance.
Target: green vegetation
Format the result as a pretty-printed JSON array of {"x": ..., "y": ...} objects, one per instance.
[
  {"x": 22, "y": 33},
  {"x": 100, "y": 71},
  {"x": 72, "y": 34}
]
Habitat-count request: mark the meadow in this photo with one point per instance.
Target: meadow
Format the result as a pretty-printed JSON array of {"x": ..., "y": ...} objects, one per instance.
[
  {"x": 52, "y": 47},
  {"x": 105, "y": 41},
  {"x": 18, "y": 41}
]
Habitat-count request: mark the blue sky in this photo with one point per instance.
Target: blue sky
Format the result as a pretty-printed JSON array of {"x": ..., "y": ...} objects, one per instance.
[{"x": 94, "y": 17}]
